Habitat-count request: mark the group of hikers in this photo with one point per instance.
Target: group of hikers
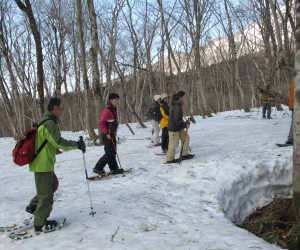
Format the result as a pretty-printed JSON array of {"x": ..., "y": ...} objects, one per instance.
[
  {"x": 267, "y": 102},
  {"x": 167, "y": 115},
  {"x": 169, "y": 118}
]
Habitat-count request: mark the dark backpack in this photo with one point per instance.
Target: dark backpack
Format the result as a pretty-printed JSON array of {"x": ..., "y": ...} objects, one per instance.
[
  {"x": 24, "y": 151},
  {"x": 154, "y": 112}
]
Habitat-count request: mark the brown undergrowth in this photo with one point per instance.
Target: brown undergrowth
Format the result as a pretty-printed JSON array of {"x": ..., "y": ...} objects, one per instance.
[{"x": 267, "y": 223}]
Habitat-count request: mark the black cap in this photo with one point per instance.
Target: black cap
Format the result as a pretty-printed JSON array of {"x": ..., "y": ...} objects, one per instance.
[
  {"x": 180, "y": 93},
  {"x": 113, "y": 96}
]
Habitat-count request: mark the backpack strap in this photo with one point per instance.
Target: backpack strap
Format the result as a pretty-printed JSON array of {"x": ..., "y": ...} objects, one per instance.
[
  {"x": 113, "y": 113},
  {"x": 43, "y": 144}
]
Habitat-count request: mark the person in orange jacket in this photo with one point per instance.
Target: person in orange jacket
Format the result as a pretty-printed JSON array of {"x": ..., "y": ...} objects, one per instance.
[{"x": 290, "y": 140}]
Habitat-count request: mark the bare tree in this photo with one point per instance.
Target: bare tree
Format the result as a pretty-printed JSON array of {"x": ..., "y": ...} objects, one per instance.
[
  {"x": 12, "y": 109},
  {"x": 84, "y": 72},
  {"x": 296, "y": 151},
  {"x": 27, "y": 9},
  {"x": 94, "y": 50},
  {"x": 198, "y": 15}
]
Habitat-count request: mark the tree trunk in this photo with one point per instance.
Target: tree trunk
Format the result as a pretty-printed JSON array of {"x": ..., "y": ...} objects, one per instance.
[
  {"x": 94, "y": 60},
  {"x": 296, "y": 149},
  {"x": 87, "y": 95},
  {"x": 27, "y": 9},
  {"x": 234, "y": 59},
  {"x": 127, "y": 103}
]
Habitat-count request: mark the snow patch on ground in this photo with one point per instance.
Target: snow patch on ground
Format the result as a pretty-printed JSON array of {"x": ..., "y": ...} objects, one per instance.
[{"x": 237, "y": 168}]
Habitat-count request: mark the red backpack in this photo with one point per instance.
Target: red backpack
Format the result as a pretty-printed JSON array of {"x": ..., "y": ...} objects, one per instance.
[{"x": 24, "y": 151}]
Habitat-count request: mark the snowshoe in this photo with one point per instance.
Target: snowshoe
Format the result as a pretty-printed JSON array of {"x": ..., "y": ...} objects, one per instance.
[
  {"x": 118, "y": 171},
  {"x": 173, "y": 161},
  {"x": 99, "y": 172},
  {"x": 187, "y": 157}
]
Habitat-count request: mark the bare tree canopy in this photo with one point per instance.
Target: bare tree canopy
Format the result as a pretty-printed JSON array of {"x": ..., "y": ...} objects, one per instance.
[{"x": 218, "y": 52}]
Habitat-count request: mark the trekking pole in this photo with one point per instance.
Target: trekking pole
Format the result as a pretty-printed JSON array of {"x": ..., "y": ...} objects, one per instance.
[
  {"x": 184, "y": 138},
  {"x": 113, "y": 143},
  {"x": 87, "y": 181}
]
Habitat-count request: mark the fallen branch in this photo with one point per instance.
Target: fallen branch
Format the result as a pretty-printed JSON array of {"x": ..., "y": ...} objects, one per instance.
[
  {"x": 276, "y": 97},
  {"x": 158, "y": 201},
  {"x": 160, "y": 214},
  {"x": 113, "y": 236}
]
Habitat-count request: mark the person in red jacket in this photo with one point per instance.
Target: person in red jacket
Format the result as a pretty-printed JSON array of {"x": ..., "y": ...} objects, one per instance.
[{"x": 108, "y": 123}]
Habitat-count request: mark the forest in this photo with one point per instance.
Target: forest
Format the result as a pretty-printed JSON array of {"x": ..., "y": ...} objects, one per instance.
[{"x": 217, "y": 51}]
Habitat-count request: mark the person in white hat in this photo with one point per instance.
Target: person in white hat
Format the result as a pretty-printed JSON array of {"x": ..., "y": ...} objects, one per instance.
[{"x": 155, "y": 116}]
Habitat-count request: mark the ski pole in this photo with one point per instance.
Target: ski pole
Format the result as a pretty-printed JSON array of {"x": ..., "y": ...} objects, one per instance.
[
  {"x": 184, "y": 138},
  {"x": 87, "y": 181},
  {"x": 113, "y": 143}
]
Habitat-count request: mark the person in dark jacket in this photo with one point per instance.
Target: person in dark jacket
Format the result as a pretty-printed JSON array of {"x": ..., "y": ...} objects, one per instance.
[
  {"x": 108, "y": 123},
  {"x": 164, "y": 110},
  {"x": 266, "y": 104},
  {"x": 176, "y": 128},
  {"x": 155, "y": 116}
]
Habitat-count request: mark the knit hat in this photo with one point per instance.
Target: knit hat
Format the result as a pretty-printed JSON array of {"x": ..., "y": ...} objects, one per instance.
[
  {"x": 113, "y": 96},
  {"x": 156, "y": 97},
  {"x": 163, "y": 96}
]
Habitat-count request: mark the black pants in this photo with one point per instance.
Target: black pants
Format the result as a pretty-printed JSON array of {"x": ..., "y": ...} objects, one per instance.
[
  {"x": 267, "y": 107},
  {"x": 164, "y": 139},
  {"x": 110, "y": 154}
]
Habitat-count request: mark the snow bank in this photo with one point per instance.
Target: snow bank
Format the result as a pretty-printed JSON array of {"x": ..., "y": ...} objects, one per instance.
[{"x": 257, "y": 188}]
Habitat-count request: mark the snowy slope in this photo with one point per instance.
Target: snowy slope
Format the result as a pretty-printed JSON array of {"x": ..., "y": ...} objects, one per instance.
[{"x": 188, "y": 206}]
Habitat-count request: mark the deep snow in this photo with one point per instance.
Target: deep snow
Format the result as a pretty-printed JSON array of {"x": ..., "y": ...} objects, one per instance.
[{"x": 188, "y": 206}]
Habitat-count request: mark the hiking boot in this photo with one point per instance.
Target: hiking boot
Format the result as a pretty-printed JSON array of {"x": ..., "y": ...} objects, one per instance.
[
  {"x": 99, "y": 172},
  {"x": 50, "y": 224},
  {"x": 269, "y": 117},
  {"x": 30, "y": 208},
  {"x": 289, "y": 143},
  {"x": 264, "y": 116},
  {"x": 165, "y": 151},
  {"x": 117, "y": 171},
  {"x": 174, "y": 161},
  {"x": 38, "y": 229},
  {"x": 187, "y": 157}
]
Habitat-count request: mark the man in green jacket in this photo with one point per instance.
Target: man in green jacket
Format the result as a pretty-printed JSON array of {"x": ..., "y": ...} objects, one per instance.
[{"x": 46, "y": 181}]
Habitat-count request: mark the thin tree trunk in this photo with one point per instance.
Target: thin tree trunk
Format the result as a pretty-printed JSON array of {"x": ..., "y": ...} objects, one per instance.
[
  {"x": 87, "y": 94},
  {"x": 27, "y": 9},
  {"x": 296, "y": 139},
  {"x": 94, "y": 60}
]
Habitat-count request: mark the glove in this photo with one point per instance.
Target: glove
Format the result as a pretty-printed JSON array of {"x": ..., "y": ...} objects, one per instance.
[
  {"x": 81, "y": 144},
  {"x": 187, "y": 123}
]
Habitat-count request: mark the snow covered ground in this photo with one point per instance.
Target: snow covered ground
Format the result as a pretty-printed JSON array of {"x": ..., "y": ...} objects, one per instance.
[{"x": 188, "y": 206}]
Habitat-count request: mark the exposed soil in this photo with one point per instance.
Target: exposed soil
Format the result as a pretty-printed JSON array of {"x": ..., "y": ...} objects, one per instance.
[{"x": 267, "y": 223}]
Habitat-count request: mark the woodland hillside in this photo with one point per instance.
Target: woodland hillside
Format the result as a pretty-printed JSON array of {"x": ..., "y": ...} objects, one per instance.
[{"x": 219, "y": 52}]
